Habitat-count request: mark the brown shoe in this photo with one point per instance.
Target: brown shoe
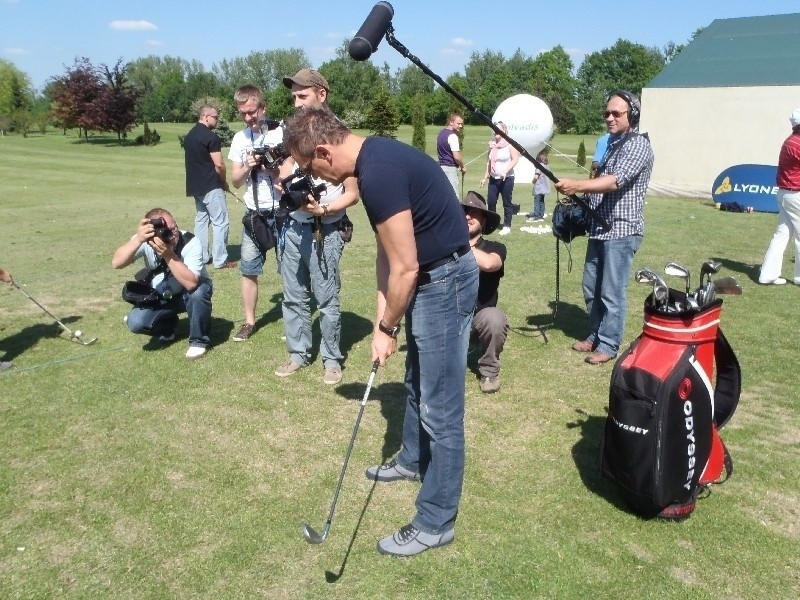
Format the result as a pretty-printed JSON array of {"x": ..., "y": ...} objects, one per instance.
[
  {"x": 228, "y": 265},
  {"x": 598, "y": 358},
  {"x": 582, "y": 346},
  {"x": 244, "y": 333}
]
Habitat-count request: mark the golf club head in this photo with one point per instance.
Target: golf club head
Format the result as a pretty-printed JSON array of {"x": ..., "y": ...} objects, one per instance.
[
  {"x": 85, "y": 342},
  {"x": 645, "y": 276},
  {"x": 675, "y": 270},
  {"x": 661, "y": 295},
  {"x": 709, "y": 267},
  {"x": 312, "y": 537},
  {"x": 727, "y": 285}
]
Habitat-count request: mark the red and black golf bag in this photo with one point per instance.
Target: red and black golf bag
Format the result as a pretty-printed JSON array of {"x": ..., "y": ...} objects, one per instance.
[{"x": 661, "y": 443}]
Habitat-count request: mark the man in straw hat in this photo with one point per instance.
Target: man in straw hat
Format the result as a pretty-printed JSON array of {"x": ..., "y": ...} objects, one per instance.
[{"x": 489, "y": 325}]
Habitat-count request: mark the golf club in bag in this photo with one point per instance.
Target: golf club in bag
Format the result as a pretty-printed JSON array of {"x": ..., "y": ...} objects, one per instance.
[
  {"x": 312, "y": 537},
  {"x": 661, "y": 443},
  {"x": 74, "y": 335}
]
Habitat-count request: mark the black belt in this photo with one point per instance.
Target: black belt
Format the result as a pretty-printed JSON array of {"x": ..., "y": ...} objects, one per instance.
[{"x": 447, "y": 259}]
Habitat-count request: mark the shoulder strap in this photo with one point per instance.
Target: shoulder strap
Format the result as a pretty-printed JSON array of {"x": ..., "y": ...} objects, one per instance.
[{"x": 729, "y": 381}]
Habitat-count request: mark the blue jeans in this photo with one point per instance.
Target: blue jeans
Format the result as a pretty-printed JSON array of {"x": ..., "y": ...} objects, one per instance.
[
  {"x": 163, "y": 319},
  {"x": 504, "y": 188},
  {"x": 212, "y": 207},
  {"x": 538, "y": 206},
  {"x": 606, "y": 273},
  {"x": 306, "y": 269},
  {"x": 438, "y": 325}
]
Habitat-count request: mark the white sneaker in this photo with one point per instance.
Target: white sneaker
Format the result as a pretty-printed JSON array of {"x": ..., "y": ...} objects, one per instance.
[
  {"x": 778, "y": 281},
  {"x": 505, "y": 231},
  {"x": 195, "y": 352}
]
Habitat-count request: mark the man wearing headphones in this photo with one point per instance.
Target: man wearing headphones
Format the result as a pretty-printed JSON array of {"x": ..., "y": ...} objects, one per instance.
[{"x": 617, "y": 194}]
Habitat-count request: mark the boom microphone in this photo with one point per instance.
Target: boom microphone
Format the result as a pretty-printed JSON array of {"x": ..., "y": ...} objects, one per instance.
[{"x": 366, "y": 41}]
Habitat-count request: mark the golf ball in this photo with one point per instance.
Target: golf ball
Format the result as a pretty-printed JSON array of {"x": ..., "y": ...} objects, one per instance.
[{"x": 78, "y": 333}]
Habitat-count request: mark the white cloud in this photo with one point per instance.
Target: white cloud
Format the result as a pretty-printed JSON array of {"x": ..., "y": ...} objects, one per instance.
[
  {"x": 14, "y": 50},
  {"x": 333, "y": 35},
  {"x": 154, "y": 43},
  {"x": 460, "y": 41},
  {"x": 452, "y": 53},
  {"x": 132, "y": 25}
]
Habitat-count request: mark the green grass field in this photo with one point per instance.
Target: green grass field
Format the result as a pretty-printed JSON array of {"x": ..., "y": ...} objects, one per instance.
[{"x": 128, "y": 473}]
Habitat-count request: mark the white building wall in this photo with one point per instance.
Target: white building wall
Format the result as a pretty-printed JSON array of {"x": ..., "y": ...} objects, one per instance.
[{"x": 696, "y": 133}]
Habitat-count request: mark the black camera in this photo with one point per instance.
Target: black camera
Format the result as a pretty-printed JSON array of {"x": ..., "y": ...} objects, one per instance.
[
  {"x": 161, "y": 229},
  {"x": 298, "y": 191},
  {"x": 271, "y": 157}
]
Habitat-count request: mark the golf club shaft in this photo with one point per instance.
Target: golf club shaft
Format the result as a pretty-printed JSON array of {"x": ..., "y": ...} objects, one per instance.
[
  {"x": 32, "y": 299},
  {"x": 375, "y": 366}
]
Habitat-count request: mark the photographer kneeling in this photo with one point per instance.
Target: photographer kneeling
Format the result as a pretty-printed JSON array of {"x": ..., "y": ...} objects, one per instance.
[{"x": 174, "y": 268}]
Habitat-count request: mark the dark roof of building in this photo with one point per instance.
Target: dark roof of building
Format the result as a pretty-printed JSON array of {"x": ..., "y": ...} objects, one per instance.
[{"x": 743, "y": 52}]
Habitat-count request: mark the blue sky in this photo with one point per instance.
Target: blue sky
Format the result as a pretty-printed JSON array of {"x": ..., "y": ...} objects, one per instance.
[{"x": 42, "y": 37}]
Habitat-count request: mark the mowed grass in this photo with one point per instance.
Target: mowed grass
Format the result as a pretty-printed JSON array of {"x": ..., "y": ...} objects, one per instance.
[{"x": 128, "y": 473}]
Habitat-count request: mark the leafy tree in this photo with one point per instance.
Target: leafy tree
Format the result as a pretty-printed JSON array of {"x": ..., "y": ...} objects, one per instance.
[
  {"x": 418, "y": 122},
  {"x": 16, "y": 93},
  {"x": 74, "y": 93},
  {"x": 553, "y": 82},
  {"x": 353, "y": 83},
  {"x": 408, "y": 83},
  {"x": 381, "y": 118},
  {"x": 114, "y": 108}
]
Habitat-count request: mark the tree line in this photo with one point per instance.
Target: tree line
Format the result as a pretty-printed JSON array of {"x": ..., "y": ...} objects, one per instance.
[{"x": 156, "y": 89}]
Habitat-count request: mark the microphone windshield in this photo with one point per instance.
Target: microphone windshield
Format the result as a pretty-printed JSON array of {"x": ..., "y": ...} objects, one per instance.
[{"x": 366, "y": 40}]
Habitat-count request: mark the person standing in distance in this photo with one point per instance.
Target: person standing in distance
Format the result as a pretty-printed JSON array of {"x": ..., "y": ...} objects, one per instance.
[
  {"x": 425, "y": 272},
  {"x": 310, "y": 264},
  {"x": 5, "y": 277},
  {"x": 250, "y": 103},
  {"x": 788, "y": 182},
  {"x": 617, "y": 194},
  {"x": 448, "y": 147},
  {"x": 503, "y": 157},
  {"x": 206, "y": 181}
]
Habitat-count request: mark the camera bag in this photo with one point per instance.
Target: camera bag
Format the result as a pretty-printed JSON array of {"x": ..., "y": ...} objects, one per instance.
[
  {"x": 257, "y": 225},
  {"x": 661, "y": 442},
  {"x": 569, "y": 221},
  {"x": 140, "y": 294}
]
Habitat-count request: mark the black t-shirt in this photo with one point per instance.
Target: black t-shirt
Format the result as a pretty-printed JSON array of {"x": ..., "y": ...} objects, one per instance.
[
  {"x": 201, "y": 175},
  {"x": 488, "y": 283},
  {"x": 392, "y": 177}
]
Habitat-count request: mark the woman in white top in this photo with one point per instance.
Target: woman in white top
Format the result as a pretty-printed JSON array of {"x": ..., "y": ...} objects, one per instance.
[{"x": 503, "y": 158}]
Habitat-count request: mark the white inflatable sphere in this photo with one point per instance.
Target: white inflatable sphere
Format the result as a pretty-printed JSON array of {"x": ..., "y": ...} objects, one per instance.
[{"x": 530, "y": 123}]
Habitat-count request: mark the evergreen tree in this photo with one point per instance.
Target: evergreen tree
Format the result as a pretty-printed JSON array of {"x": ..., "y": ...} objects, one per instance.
[
  {"x": 581, "y": 159},
  {"x": 381, "y": 118},
  {"x": 418, "y": 122}
]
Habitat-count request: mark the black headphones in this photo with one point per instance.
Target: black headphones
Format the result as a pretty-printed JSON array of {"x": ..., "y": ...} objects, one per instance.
[{"x": 634, "y": 106}]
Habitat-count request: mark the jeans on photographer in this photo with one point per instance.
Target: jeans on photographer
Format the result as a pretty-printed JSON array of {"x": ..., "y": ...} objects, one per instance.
[
  {"x": 438, "y": 325},
  {"x": 605, "y": 289},
  {"x": 163, "y": 319},
  {"x": 306, "y": 270}
]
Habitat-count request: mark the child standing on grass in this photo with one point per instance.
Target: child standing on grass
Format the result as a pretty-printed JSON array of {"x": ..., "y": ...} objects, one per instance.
[{"x": 541, "y": 187}]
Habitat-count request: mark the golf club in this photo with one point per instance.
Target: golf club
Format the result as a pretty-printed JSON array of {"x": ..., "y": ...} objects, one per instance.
[
  {"x": 661, "y": 295},
  {"x": 675, "y": 270},
  {"x": 649, "y": 277},
  {"x": 728, "y": 285},
  {"x": 708, "y": 268},
  {"x": 74, "y": 335},
  {"x": 312, "y": 537}
]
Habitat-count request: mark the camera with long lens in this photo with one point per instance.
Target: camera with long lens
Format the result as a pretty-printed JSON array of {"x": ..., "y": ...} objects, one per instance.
[
  {"x": 161, "y": 229},
  {"x": 297, "y": 192}
]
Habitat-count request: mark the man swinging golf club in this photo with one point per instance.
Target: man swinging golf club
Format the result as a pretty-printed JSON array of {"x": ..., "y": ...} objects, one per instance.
[{"x": 425, "y": 272}]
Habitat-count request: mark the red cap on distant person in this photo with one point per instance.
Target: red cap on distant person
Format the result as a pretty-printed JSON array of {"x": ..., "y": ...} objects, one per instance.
[
  {"x": 794, "y": 118},
  {"x": 307, "y": 78}
]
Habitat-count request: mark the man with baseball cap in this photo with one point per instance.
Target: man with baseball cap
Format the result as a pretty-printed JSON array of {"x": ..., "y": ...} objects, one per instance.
[
  {"x": 489, "y": 325},
  {"x": 788, "y": 182},
  {"x": 313, "y": 244}
]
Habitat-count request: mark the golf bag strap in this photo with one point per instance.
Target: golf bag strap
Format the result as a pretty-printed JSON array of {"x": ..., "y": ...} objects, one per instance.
[
  {"x": 727, "y": 463},
  {"x": 729, "y": 381}
]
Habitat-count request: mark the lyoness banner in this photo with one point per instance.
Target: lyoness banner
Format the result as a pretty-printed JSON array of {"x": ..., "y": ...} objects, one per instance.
[{"x": 748, "y": 185}]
